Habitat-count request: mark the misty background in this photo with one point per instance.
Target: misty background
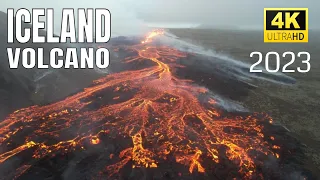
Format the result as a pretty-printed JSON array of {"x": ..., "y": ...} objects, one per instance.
[{"x": 131, "y": 17}]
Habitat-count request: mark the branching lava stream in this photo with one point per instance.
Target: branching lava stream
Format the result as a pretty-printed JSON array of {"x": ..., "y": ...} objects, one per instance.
[{"x": 161, "y": 113}]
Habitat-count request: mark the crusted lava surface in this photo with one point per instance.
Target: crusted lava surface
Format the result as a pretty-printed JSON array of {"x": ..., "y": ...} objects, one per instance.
[{"x": 154, "y": 117}]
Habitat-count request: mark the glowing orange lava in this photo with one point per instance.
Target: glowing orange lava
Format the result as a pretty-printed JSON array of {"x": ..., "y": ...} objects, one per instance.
[{"x": 161, "y": 110}]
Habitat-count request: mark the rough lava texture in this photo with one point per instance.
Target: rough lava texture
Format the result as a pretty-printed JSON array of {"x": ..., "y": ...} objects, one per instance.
[{"x": 155, "y": 117}]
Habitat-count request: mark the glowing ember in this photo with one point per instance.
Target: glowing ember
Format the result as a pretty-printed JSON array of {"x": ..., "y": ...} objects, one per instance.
[
  {"x": 150, "y": 106},
  {"x": 95, "y": 140}
]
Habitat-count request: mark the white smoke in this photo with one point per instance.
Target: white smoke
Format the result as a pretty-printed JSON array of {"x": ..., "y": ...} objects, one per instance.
[{"x": 239, "y": 67}]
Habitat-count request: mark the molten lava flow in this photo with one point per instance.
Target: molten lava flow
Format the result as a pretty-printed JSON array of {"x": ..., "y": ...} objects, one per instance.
[
  {"x": 152, "y": 35},
  {"x": 161, "y": 113}
]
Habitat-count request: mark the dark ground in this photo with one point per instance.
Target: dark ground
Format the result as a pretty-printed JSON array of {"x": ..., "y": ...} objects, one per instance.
[
  {"x": 295, "y": 106},
  {"x": 78, "y": 164}
]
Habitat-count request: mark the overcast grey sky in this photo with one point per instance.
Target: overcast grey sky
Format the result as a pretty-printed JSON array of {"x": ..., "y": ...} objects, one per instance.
[
  {"x": 219, "y": 12},
  {"x": 131, "y": 16}
]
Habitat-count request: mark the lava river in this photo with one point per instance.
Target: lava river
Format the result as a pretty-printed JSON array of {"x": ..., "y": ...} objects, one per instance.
[{"x": 158, "y": 119}]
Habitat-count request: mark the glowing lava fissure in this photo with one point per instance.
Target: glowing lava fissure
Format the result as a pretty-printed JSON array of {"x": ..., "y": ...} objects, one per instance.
[{"x": 159, "y": 112}]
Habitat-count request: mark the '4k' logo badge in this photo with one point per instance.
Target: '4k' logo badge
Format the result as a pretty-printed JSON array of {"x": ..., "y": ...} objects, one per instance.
[{"x": 286, "y": 25}]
